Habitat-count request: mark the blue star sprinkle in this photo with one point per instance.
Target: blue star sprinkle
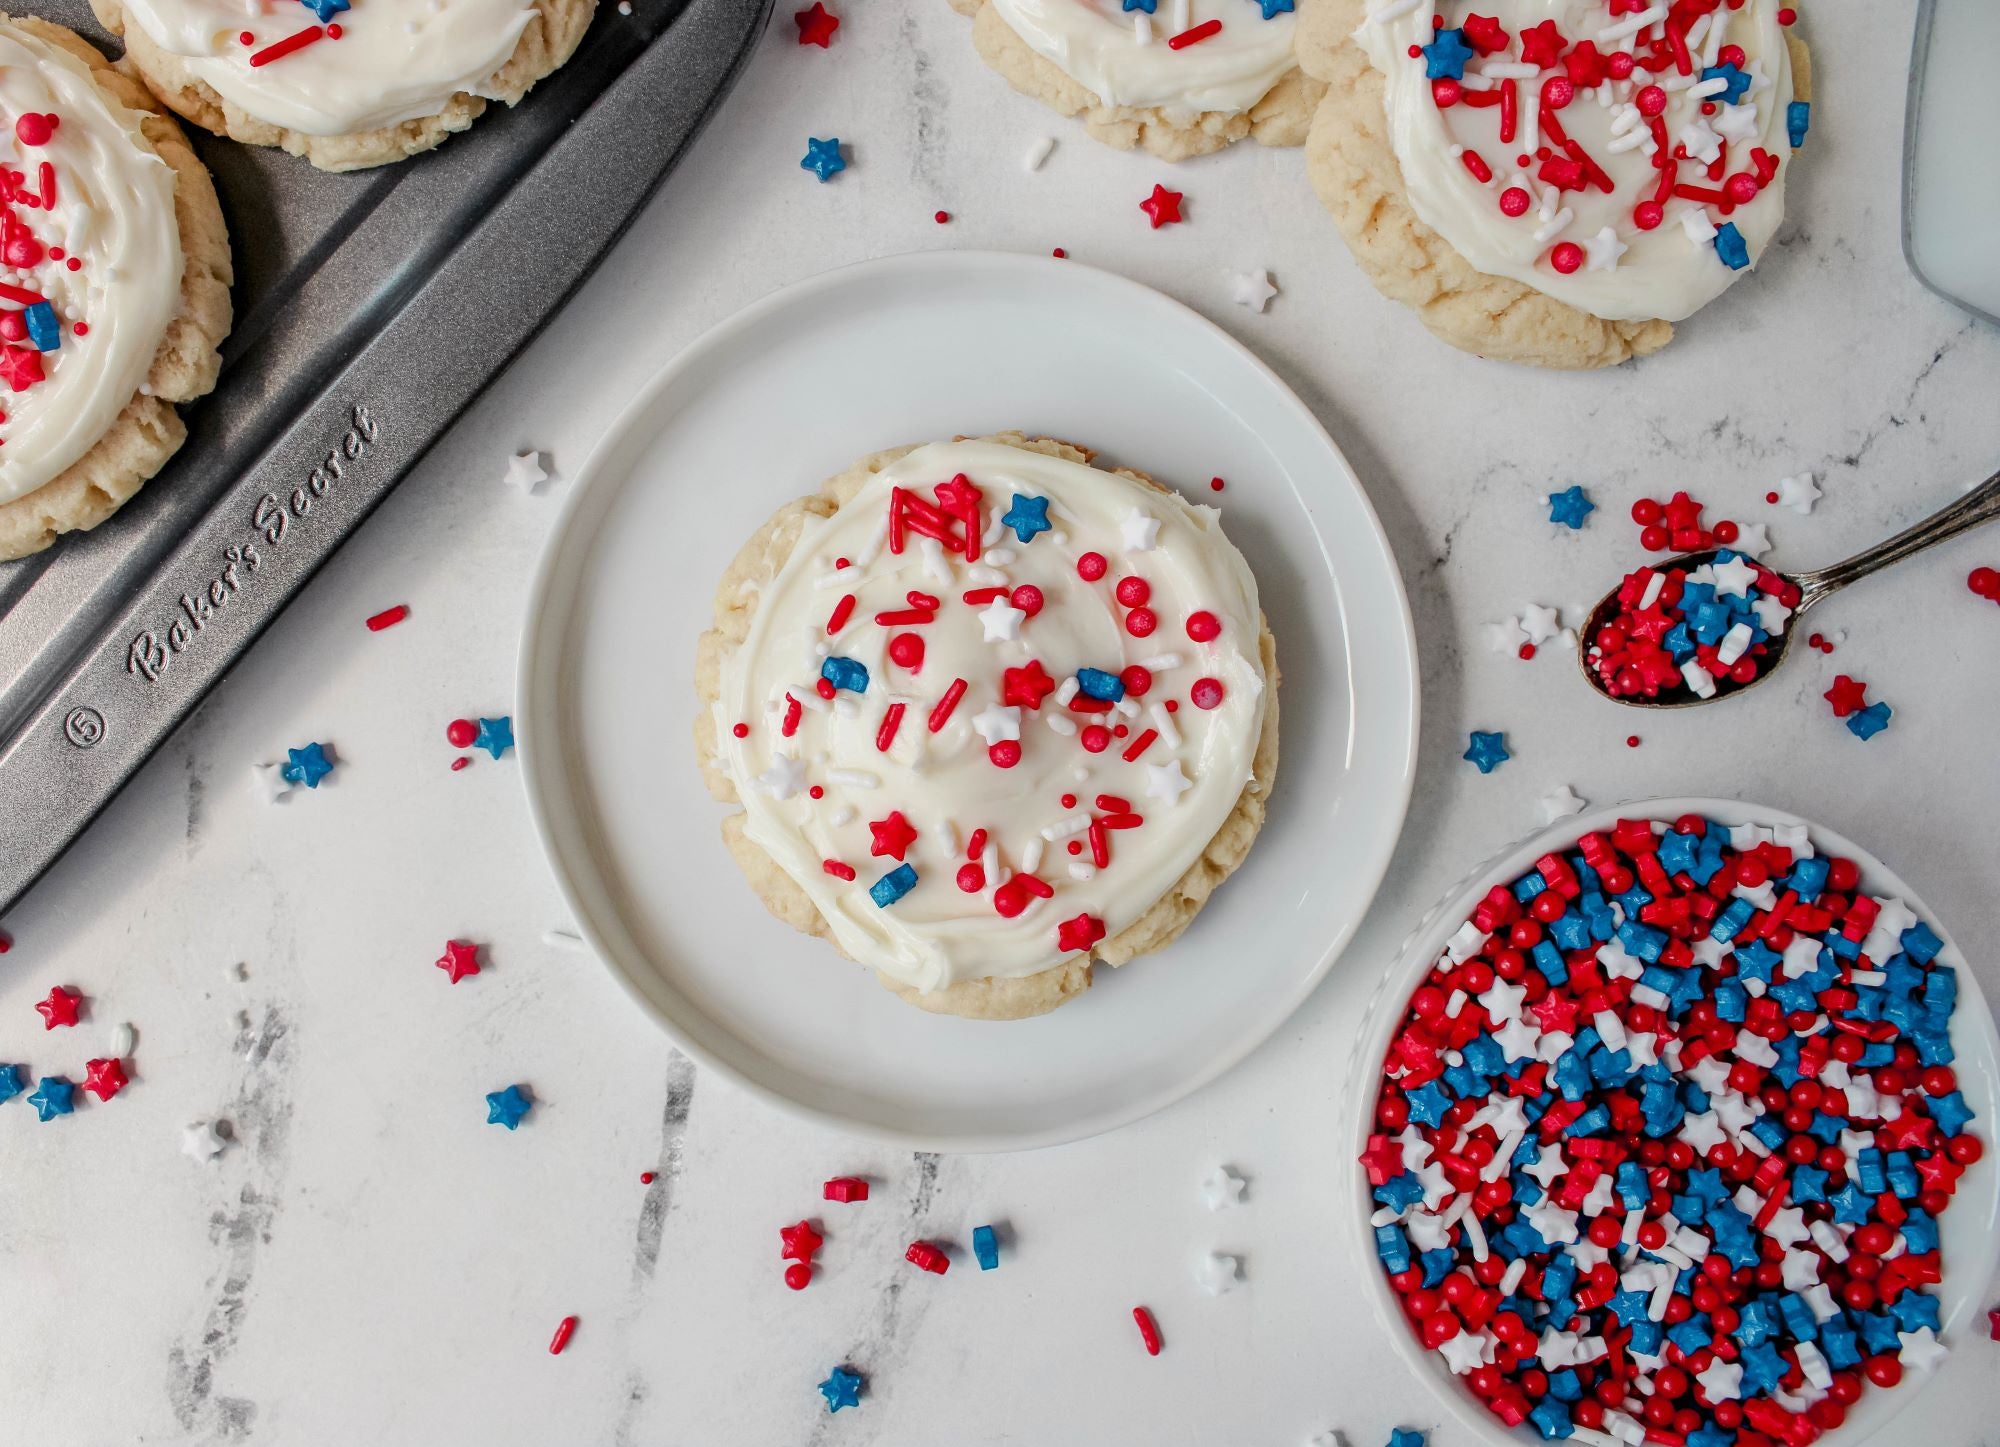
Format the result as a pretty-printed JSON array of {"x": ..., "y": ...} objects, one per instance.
[
  {"x": 1027, "y": 515},
  {"x": 324, "y": 10},
  {"x": 1570, "y": 507},
  {"x": 1274, "y": 8},
  {"x": 1731, "y": 247},
  {"x": 11, "y": 1083},
  {"x": 496, "y": 735},
  {"x": 52, "y": 1097},
  {"x": 506, "y": 1107},
  {"x": 841, "y": 1388},
  {"x": 307, "y": 765},
  {"x": 1445, "y": 57},
  {"x": 1146, "y": 5},
  {"x": 1734, "y": 82},
  {"x": 1403, "y": 1437},
  {"x": 1869, "y": 721},
  {"x": 1488, "y": 751},
  {"x": 823, "y": 158}
]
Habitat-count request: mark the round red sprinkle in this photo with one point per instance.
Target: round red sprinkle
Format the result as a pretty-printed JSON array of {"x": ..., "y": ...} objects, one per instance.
[
  {"x": 1646, "y": 512},
  {"x": 646, "y": 1178},
  {"x": 1446, "y": 92},
  {"x": 1141, "y": 622},
  {"x": 1726, "y": 532},
  {"x": 1515, "y": 202},
  {"x": 1028, "y": 598},
  {"x": 1059, "y": 253},
  {"x": 1005, "y": 754},
  {"x": 1095, "y": 738},
  {"x": 1985, "y": 582},
  {"x": 1567, "y": 257},
  {"x": 460, "y": 733},
  {"x": 941, "y": 217},
  {"x": 1216, "y": 484},
  {"x": 1091, "y": 566},
  {"x": 1651, "y": 101},
  {"x": 32, "y": 129},
  {"x": 1654, "y": 539},
  {"x": 1075, "y": 846},
  {"x": 742, "y": 731},
  {"x": 1138, "y": 681},
  {"x": 817, "y": 791},
  {"x": 906, "y": 650},
  {"x": 1558, "y": 91},
  {"x": 1631, "y": 741},
  {"x": 1010, "y": 898},
  {"x": 970, "y": 878},
  {"x": 1788, "y": 16},
  {"x": 1203, "y": 626},
  {"x": 1205, "y": 693},
  {"x": 798, "y": 1275},
  {"x": 1647, "y": 215},
  {"x": 1132, "y": 591}
]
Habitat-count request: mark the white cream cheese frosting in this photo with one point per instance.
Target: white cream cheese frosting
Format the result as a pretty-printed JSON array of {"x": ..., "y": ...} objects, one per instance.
[
  {"x": 392, "y": 60},
  {"x": 1630, "y": 261},
  {"x": 1126, "y": 57},
  {"x": 875, "y": 801},
  {"x": 103, "y": 261}
]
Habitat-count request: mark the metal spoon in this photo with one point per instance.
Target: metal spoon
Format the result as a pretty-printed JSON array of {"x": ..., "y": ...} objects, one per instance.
[{"x": 1981, "y": 505}]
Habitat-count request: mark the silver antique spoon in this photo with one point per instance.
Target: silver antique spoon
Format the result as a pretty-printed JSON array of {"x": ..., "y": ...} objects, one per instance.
[{"x": 1981, "y": 505}]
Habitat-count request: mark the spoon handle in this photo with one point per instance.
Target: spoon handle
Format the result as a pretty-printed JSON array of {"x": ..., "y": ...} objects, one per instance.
[{"x": 1981, "y": 505}]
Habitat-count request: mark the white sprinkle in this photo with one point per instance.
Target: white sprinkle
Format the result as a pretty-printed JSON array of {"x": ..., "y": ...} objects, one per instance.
[
  {"x": 934, "y": 563},
  {"x": 1160, "y": 662},
  {"x": 1039, "y": 151},
  {"x": 1060, "y": 723},
  {"x": 1510, "y": 70},
  {"x": 1142, "y": 32},
  {"x": 984, "y": 576},
  {"x": 1081, "y": 870},
  {"x": 1554, "y": 225},
  {"x": 854, "y": 778},
  {"x": 1067, "y": 690},
  {"x": 1031, "y": 857},
  {"x": 1511, "y": 1277},
  {"x": 1067, "y": 825},
  {"x": 562, "y": 938},
  {"x": 1163, "y": 722},
  {"x": 999, "y": 557},
  {"x": 843, "y": 816},
  {"x": 1631, "y": 24},
  {"x": 1654, "y": 586},
  {"x": 121, "y": 1042}
]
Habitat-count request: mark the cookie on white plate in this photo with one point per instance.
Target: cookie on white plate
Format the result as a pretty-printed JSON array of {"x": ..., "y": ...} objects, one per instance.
[
  {"x": 347, "y": 84},
  {"x": 115, "y": 290},
  {"x": 993, "y": 715},
  {"x": 1181, "y": 78},
  {"x": 1555, "y": 185}
]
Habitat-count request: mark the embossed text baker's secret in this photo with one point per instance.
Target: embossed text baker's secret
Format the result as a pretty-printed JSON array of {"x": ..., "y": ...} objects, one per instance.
[{"x": 153, "y": 650}]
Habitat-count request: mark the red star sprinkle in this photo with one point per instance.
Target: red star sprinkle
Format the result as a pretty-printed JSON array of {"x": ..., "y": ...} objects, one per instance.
[
  {"x": 802, "y": 1243},
  {"x": 1940, "y": 1171},
  {"x": 459, "y": 959},
  {"x": 104, "y": 1078},
  {"x": 816, "y": 26},
  {"x": 891, "y": 836},
  {"x": 1026, "y": 686},
  {"x": 1993, "y": 1323},
  {"x": 1162, "y": 208},
  {"x": 1079, "y": 933},
  {"x": 1542, "y": 44},
  {"x": 1555, "y": 1014},
  {"x": 1847, "y": 695},
  {"x": 1383, "y": 1159},
  {"x": 59, "y": 1008},
  {"x": 1485, "y": 33},
  {"x": 21, "y": 367}
]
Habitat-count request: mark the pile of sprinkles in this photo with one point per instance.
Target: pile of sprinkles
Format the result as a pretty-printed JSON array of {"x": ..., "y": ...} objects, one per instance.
[
  {"x": 1662, "y": 1142},
  {"x": 1676, "y": 93},
  {"x": 1682, "y": 630}
]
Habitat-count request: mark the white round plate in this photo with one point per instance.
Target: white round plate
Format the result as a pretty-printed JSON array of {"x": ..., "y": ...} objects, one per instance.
[
  {"x": 1968, "y": 1235},
  {"x": 760, "y": 411}
]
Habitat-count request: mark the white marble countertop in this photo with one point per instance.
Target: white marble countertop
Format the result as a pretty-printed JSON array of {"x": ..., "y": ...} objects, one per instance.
[{"x": 370, "y": 1263}]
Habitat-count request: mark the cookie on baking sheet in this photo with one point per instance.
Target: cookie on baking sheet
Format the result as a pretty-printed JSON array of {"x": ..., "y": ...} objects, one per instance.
[
  {"x": 115, "y": 292},
  {"x": 993, "y": 714},
  {"x": 347, "y": 84},
  {"x": 1502, "y": 174},
  {"x": 1180, "y": 77}
]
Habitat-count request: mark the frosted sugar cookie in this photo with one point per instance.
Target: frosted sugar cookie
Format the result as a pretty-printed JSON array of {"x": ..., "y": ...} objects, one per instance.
[
  {"x": 1555, "y": 183},
  {"x": 992, "y": 714},
  {"x": 345, "y": 83},
  {"x": 115, "y": 288},
  {"x": 1180, "y": 77}
]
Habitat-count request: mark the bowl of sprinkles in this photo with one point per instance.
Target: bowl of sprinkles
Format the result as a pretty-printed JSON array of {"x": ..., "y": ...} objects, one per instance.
[{"x": 1672, "y": 1129}]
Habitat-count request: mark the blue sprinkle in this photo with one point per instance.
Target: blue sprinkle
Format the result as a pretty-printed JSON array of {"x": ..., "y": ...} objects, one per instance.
[
  {"x": 506, "y": 1107},
  {"x": 1445, "y": 57},
  {"x": 1798, "y": 120},
  {"x": 1731, "y": 247},
  {"x": 1869, "y": 721},
  {"x": 11, "y": 1083},
  {"x": 1732, "y": 77},
  {"x": 306, "y": 766},
  {"x": 1146, "y": 5},
  {"x": 1488, "y": 751},
  {"x": 986, "y": 1247},
  {"x": 1570, "y": 507},
  {"x": 53, "y": 1097},
  {"x": 1027, "y": 515},
  {"x": 1096, "y": 683},
  {"x": 823, "y": 158},
  {"x": 848, "y": 673},
  {"x": 893, "y": 885},
  {"x": 44, "y": 331},
  {"x": 324, "y": 10},
  {"x": 1274, "y": 8}
]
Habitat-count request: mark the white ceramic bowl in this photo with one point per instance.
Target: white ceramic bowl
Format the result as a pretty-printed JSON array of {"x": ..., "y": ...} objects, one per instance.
[{"x": 1969, "y": 1232}]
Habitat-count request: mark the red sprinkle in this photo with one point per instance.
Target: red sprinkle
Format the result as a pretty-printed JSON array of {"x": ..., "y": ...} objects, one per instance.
[
  {"x": 1139, "y": 745},
  {"x": 460, "y": 733},
  {"x": 837, "y": 869},
  {"x": 1196, "y": 35},
  {"x": 387, "y": 618},
  {"x": 798, "y": 1276},
  {"x": 1149, "y": 1331},
  {"x": 458, "y": 763},
  {"x": 279, "y": 51},
  {"x": 942, "y": 217},
  {"x": 842, "y": 611},
  {"x": 568, "y": 1325},
  {"x": 891, "y": 721},
  {"x": 794, "y": 711},
  {"x": 941, "y": 715},
  {"x": 646, "y": 1178}
]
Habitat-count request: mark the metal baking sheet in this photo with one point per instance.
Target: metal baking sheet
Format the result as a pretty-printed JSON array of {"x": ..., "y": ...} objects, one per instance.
[{"x": 371, "y": 308}]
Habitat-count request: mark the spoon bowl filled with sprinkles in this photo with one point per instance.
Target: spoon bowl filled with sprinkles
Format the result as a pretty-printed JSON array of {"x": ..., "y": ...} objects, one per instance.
[{"x": 1672, "y": 1124}]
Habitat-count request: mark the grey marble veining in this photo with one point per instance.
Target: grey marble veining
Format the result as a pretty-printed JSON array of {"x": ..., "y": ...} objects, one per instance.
[{"x": 369, "y": 1262}]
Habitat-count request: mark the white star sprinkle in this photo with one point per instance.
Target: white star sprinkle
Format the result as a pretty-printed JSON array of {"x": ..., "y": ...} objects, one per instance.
[
  {"x": 1551, "y": 1222},
  {"x": 1252, "y": 289},
  {"x": 1700, "y": 230},
  {"x": 1560, "y": 803},
  {"x": 1218, "y": 1273},
  {"x": 1416, "y": 1150},
  {"x": 1221, "y": 1188},
  {"x": 1140, "y": 532},
  {"x": 525, "y": 469},
  {"x": 200, "y": 1142},
  {"x": 1922, "y": 1351},
  {"x": 996, "y": 725},
  {"x": 784, "y": 778},
  {"x": 1603, "y": 250},
  {"x": 1166, "y": 781},
  {"x": 270, "y": 782},
  {"x": 1502, "y": 1001},
  {"x": 1703, "y": 1133},
  {"x": 1752, "y": 540},
  {"x": 1548, "y": 1165},
  {"x": 1518, "y": 1039},
  {"x": 1540, "y": 624},
  {"x": 1772, "y": 614},
  {"x": 1001, "y": 621},
  {"x": 1722, "y": 1382},
  {"x": 1468, "y": 1351},
  {"x": 1798, "y": 493},
  {"x": 1733, "y": 578},
  {"x": 1506, "y": 636},
  {"x": 1788, "y": 1227}
]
